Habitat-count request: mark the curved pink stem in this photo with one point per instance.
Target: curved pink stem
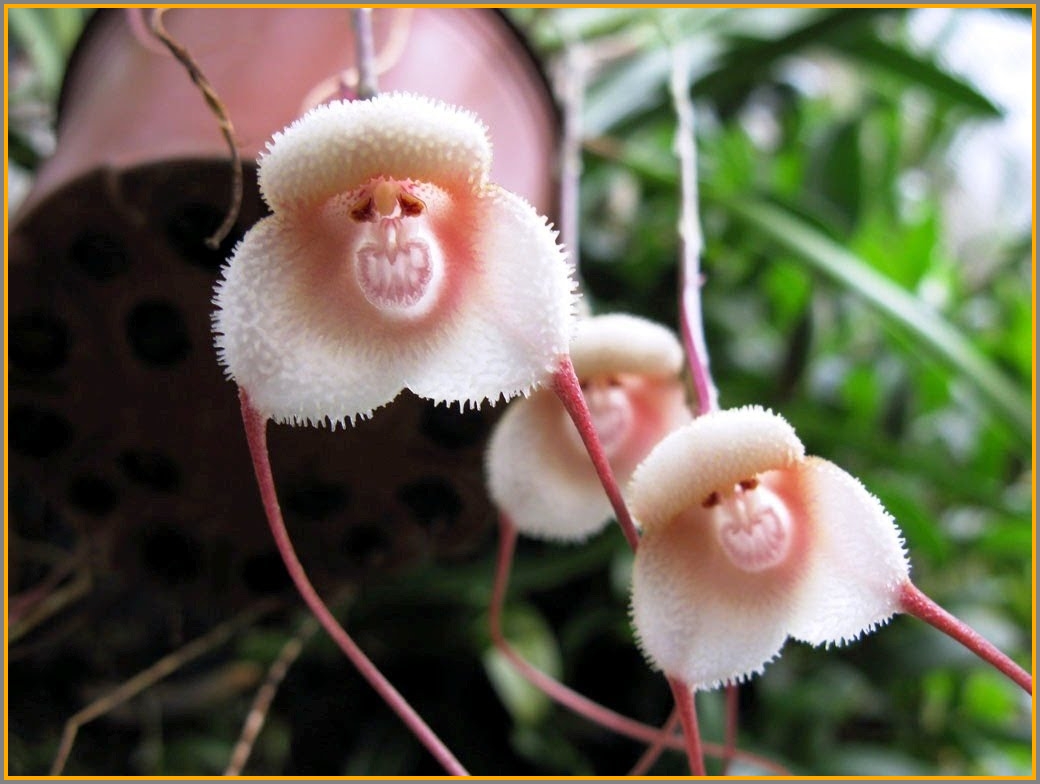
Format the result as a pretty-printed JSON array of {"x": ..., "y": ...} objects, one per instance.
[
  {"x": 916, "y": 603},
  {"x": 688, "y": 715},
  {"x": 557, "y": 691},
  {"x": 256, "y": 434},
  {"x": 732, "y": 715},
  {"x": 568, "y": 389},
  {"x": 578, "y": 703},
  {"x": 653, "y": 751}
]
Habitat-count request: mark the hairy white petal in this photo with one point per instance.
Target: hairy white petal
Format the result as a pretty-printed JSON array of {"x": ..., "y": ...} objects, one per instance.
[
  {"x": 338, "y": 147},
  {"x": 514, "y": 323},
  {"x": 696, "y": 616},
  {"x": 856, "y": 564},
  {"x": 546, "y": 486},
  {"x": 712, "y": 453},
  {"x": 540, "y": 474},
  {"x": 622, "y": 343},
  {"x": 295, "y": 329},
  {"x": 272, "y": 341}
]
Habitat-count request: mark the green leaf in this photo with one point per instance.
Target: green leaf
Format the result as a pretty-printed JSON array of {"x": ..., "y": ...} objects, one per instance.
[
  {"x": 21, "y": 152},
  {"x": 875, "y": 760},
  {"x": 1008, "y": 539},
  {"x": 639, "y": 84},
  {"x": 551, "y": 751},
  {"x": 531, "y": 637},
  {"x": 839, "y": 171},
  {"x": 904, "y": 252},
  {"x": 894, "y": 303},
  {"x": 921, "y": 71},
  {"x": 636, "y": 86},
  {"x": 790, "y": 291},
  {"x": 746, "y": 62},
  {"x": 861, "y": 391},
  {"x": 196, "y": 754},
  {"x": 989, "y": 698},
  {"x": 923, "y": 537},
  {"x": 32, "y": 29}
]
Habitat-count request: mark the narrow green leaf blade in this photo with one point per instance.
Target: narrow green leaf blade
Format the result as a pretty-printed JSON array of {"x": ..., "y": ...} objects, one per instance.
[
  {"x": 922, "y": 71},
  {"x": 895, "y": 303}
]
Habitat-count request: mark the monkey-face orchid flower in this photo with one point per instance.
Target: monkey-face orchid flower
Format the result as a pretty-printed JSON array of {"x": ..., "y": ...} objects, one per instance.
[
  {"x": 539, "y": 473},
  {"x": 389, "y": 262},
  {"x": 747, "y": 541}
]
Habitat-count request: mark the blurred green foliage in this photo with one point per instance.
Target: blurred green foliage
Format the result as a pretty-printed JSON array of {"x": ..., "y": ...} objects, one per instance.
[
  {"x": 41, "y": 40},
  {"x": 836, "y": 295}
]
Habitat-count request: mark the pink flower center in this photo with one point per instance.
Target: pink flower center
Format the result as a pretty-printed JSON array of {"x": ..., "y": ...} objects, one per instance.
[
  {"x": 398, "y": 263},
  {"x": 753, "y": 526}
]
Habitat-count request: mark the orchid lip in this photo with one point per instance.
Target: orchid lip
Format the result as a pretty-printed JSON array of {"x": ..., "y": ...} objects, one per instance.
[
  {"x": 753, "y": 526},
  {"x": 399, "y": 267}
]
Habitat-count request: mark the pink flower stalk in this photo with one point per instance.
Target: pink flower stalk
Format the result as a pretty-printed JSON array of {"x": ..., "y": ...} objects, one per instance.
[
  {"x": 747, "y": 541},
  {"x": 539, "y": 472},
  {"x": 550, "y": 460},
  {"x": 389, "y": 262},
  {"x": 658, "y": 738}
]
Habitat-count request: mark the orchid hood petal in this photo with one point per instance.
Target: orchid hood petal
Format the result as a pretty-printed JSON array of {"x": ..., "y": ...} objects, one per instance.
[
  {"x": 714, "y": 451},
  {"x": 339, "y": 146},
  {"x": 621, "y": 343}
]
